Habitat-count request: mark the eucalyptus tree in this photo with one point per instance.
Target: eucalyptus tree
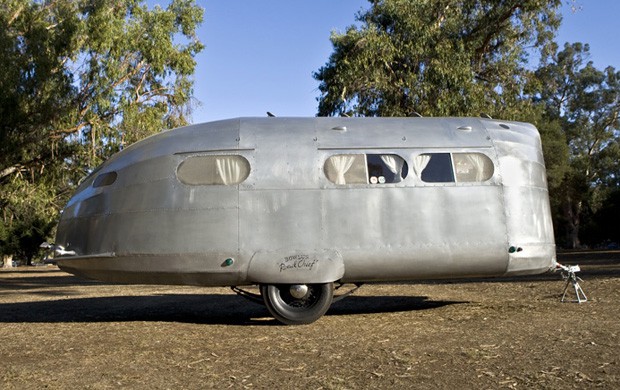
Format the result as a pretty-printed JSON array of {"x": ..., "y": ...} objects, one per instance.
[
  {"x": 448, "y": 57},
  {"x": 80, "y": 79},
  {"x": 585, "y": 102}
]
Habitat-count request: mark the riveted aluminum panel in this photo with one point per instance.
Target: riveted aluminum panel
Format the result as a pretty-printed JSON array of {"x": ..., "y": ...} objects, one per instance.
[
  {"x": 186, "y": 269},
  {"x": 526, "y": 198},
  {"x": 284, "y": 153},
  {"x": 525, "y": 152},
  {"x": 400, "y": 133},
  {"x": 517, "y": 172},
  {"x": 280, "y": 219},
  {"x": 413, "y": 233}
]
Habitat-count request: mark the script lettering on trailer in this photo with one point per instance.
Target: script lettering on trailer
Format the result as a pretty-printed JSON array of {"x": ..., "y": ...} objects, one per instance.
[{"x": 298, "y": 262}]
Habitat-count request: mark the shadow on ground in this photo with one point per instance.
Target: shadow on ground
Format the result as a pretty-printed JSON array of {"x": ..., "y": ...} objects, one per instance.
[
  {"x": 188, "y": 308},
  {"x": 216, "y": 308}
]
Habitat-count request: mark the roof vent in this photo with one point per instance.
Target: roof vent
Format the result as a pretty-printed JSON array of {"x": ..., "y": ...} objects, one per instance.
[
  {"x": 503, "y": 126},
  {"x": 340, "y": 128},
  {"x": 464, "y": 128}
]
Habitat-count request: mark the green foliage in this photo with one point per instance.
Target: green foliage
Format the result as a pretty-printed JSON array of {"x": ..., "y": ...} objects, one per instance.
[
  {"x": 28, "y": 215},
  {"x": 451, "y": 57},
  {"x": 585, "y": 102},
  {"x": 80, "y": 80}
]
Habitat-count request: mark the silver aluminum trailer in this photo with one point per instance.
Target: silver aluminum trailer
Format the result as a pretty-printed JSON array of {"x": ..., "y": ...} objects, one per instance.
[{"x": 295, "y": 205}]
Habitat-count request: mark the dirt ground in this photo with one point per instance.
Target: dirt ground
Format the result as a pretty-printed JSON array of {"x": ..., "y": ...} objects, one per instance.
[{"x": 59, "y": 331}]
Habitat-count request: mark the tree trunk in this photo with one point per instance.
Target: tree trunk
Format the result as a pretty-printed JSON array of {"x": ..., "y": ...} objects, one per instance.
[
  {"x": 572, "y": 213},
  {"x": 573, "y": 235},
  {"x": 8, "y": 261}
]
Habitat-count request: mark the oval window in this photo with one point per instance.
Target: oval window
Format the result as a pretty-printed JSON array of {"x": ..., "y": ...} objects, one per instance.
[
  {"x": 214, "y": 170},
  {"x": 105, "y": 179}
]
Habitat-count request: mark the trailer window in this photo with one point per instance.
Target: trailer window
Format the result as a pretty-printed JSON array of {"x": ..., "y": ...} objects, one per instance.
[
  {"x": 472, "y": 167},
  {"x": 453, "y": 167},
  {"x": 365, "y": 169},
  {"x": 105, "y": 179},
  {"x": 435, "y": 167},
  {"x": 214, "y": 170}
]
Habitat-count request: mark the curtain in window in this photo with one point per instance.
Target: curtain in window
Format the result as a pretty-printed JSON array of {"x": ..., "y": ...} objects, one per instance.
[
  {"x": 481, "y": 167},
  {"x": 341, "y": 165},
  {"x": 419, "y": 163},
  {"x": 394, "y": 164},
  {"x": 477, "y": 161},
  {"x": 485, "y": 166},
  {"x": 231, "y": 169}
]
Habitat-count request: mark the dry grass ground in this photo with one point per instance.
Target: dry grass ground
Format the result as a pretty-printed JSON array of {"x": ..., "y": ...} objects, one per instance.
[{"x": 59, "y": 331}]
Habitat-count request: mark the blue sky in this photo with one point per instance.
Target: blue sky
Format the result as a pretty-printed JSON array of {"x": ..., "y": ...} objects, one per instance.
[{"x": 260, "y": 55}]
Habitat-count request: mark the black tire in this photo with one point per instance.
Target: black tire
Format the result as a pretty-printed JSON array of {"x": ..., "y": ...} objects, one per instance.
[{"x": 297, "y": 311}]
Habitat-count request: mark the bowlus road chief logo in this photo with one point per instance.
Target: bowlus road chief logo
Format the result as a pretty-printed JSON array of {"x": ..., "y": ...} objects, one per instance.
[{"x": 298, "y": 262}]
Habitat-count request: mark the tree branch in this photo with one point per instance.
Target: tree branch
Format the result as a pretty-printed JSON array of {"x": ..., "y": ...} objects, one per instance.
[
  {"x": 9, "y": 171},
  {"x": 15, "y": 15}
]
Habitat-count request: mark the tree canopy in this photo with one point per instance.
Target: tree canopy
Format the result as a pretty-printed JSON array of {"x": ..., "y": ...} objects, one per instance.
[
  {"x": 80, "y": 79},
  {"x": 451, "y": 57},
  {"x": 585, "y": 103}
]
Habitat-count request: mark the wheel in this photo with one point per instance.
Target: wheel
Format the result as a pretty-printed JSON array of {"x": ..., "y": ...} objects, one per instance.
[{"x": 296, "y": 304}]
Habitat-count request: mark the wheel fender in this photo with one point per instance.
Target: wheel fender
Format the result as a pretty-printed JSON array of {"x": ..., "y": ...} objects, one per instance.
[{"x": 287, "y": 267}]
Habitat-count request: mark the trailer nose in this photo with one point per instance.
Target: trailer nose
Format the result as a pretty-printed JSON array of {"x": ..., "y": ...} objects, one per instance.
[{"x": 531, "y": 259}]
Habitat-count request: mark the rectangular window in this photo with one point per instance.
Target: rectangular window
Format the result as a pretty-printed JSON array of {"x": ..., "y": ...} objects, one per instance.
[{"x": 438, "y": 168}]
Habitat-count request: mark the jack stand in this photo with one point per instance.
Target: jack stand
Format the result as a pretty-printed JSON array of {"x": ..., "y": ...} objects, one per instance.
[{"x": 569, "y": 273}]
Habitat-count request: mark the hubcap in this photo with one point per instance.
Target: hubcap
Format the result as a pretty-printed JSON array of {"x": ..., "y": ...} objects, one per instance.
[{"x": 298, "y": 291}]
